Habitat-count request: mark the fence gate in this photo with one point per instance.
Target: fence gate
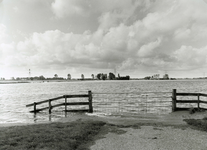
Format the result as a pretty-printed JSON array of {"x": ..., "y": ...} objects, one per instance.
[{"x": 139, "y": 102}]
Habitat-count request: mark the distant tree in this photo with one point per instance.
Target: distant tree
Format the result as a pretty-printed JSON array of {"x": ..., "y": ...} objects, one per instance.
[
  {"x": 36, "y": 78},
  {"x": 92, "y": 76},
  {"x": 41, "y": 77},
  {"x": 82, "y": 76},
  {"x": 111, "y": 76},
  {"x": 69, "y": 77},
  {"x": 55, "y": 76},
  {"x": 147, "y": 78},
  {"x": 104, "y": 76},
  {"x": 99, "y": 76},
  {"x": 118, "y": 75}
]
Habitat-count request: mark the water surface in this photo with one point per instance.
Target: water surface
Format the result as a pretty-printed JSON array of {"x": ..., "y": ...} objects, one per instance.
[{"x": 15, "y": 97}]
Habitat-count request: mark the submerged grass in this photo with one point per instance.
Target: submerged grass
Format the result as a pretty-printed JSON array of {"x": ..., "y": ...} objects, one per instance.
[{"x": 54, "y": 136}]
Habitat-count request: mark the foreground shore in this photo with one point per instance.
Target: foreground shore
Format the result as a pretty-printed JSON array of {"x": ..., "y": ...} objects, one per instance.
[
  {"x": 119, "y": 132},
  {"x": 167, "y": 132}
]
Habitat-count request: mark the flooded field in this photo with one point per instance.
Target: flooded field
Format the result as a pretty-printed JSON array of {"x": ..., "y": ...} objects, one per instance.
[{"x": 109, "y": 97}]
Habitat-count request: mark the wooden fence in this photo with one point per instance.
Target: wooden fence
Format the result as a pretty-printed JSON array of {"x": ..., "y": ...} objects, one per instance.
[
  {"x": 175, "y": 101},
  {"x": 50, "y": 106},
  {"x": 132, "y": 102},
  {"x": 197, "y": 101}
]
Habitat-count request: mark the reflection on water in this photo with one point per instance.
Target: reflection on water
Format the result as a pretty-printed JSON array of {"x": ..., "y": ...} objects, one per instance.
[
  {"x": 15, "y": 97},
  {"x": 42, "y": 116}
]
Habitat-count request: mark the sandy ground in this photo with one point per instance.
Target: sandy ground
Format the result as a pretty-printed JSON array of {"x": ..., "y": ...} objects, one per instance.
[
  {"x": 166, "y": 134},
  {"x": 153, "y": 138},
  {"x": 156, "y": 132}
]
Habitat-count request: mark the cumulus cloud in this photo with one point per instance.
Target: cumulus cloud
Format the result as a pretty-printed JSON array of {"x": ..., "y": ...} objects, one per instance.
[
  {"x": 64, "y": 8},
  {"x": 3, "y": 34},
  {"x": 158, "y": 35},
  {"x": 189, "y": 57},
  {"x": 1, "y": 10},
  {"x": 147, "y": 50}
]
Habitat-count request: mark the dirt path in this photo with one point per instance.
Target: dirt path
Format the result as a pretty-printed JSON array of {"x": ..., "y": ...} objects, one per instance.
[
  {"x": 153, "y": 138},
  {"x": 167, "y": 132}
]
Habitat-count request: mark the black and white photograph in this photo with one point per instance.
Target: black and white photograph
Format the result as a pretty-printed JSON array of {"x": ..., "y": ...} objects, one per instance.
[{"x": 103, "y": 74}]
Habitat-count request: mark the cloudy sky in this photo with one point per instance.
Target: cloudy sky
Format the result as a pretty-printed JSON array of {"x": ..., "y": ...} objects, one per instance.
[{"x": 136, "y": 37}]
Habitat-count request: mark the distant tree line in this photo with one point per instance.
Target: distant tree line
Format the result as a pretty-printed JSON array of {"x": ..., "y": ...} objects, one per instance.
[
  {"x": 102, "y": 76},
  {"x": 157, "y": 77},
  {"x": 99, "y": 76},
  {"x": 111, "y": 76},
  {"x": 39, "y": 78}
]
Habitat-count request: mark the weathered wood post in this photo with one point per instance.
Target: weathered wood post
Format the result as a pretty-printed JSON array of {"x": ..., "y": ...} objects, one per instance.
[
  {"x": 50, "y": 107},
  {"x": 65, "y": 103},
  {"x": 198, "y": 101},
  {"x": 35, "y": 107},
  {"x": 90, "y": 102},
  {"x": 174, "y": 100}
]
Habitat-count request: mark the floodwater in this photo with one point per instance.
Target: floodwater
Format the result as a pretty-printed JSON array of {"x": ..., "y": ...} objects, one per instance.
[{"x": 15, "y": 97}]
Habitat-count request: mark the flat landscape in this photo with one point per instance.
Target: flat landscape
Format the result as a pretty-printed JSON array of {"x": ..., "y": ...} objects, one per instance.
[{"x": 179, "y": 130}]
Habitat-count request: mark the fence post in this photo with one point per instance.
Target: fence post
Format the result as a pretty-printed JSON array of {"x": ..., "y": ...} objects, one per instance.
[
  {"x": 35, "y": 107},
  {"x": 50, "y": 107},
  {"x": 65, "y": 103},
  {"x": 174, "y": 100},
  {"x": 90, "y": 102},
  {"x": 198, "y": 101}
]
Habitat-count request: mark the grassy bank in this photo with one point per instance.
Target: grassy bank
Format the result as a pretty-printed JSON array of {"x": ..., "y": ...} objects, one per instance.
[
  {"x": 77, "y": 135},
  {"x": 54, "y": 136},
  {"x": 200, "y": 124}
]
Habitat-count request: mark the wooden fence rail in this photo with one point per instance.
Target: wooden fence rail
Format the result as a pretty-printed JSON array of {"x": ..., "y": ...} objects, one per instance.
[
  {"x": 50, "y": 106},
  {"x": 197, "y": 101}
]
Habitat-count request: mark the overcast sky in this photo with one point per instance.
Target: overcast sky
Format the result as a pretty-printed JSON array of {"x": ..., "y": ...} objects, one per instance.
[{"x": 136, "y": 37}]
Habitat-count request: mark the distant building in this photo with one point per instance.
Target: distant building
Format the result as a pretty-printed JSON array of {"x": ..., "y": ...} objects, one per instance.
[
  {"x": 166, "y": 77},
  {"x": 123, "y": 78}
]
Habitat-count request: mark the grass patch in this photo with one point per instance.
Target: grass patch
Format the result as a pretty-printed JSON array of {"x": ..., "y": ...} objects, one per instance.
[
  {"x": 54, "y": 136},
  {"x": 200, "y": 124}
]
